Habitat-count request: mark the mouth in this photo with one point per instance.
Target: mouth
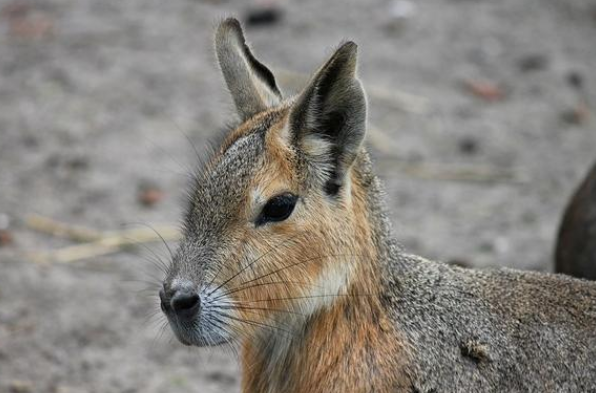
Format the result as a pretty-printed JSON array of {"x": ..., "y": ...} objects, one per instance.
[{"x": 196, "y": 334}]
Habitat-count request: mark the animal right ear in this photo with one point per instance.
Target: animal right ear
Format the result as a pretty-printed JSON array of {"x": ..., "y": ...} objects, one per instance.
[{"x": 251, "y": 84}]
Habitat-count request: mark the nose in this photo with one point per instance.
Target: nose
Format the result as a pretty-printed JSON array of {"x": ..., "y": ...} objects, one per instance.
[{"x": 182, "y": 300}]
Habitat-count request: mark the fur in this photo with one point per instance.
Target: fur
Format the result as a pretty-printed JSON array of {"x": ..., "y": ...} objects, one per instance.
[
  {"x": 576, "y": 246},
  {"x": 326, "y": 300}
]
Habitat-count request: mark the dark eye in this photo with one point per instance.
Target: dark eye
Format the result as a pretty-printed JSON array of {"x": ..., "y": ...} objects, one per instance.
[{"x": 277, "y": 208}]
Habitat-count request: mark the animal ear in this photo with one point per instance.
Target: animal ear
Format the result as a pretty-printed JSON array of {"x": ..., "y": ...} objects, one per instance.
[
  {"x": 251, "y": 84},
  {"x": 329, "y": 116}
]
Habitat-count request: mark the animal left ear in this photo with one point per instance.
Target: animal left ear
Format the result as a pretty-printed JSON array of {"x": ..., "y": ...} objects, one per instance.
[
  {"x": 251, "y": 84},
  {"x": 329, "y": 117}
]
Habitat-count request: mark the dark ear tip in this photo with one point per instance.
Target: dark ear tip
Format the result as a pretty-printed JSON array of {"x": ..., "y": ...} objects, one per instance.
[
  {"x": 347, "y": 53},
  {"x": 348, "y": 49},
  {"x": 230, "y": 22}
]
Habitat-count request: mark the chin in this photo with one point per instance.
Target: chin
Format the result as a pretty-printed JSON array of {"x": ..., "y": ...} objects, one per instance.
[{"x": 197, "y": 337}]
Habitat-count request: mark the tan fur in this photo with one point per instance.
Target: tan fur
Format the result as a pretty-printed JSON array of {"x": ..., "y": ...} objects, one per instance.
[
  {"x": 331, "y": 355},
  {"x": 340, "y": 338}
]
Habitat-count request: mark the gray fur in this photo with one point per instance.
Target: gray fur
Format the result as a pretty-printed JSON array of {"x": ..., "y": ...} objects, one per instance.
[
  {"x": 536, "y": 332},
  {"x": 215, "y": 196},
  {"x": 486, "y": 331}
]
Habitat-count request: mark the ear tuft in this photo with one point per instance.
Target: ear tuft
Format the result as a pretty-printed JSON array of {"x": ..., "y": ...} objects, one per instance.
[{"x": 250, "y": 82}]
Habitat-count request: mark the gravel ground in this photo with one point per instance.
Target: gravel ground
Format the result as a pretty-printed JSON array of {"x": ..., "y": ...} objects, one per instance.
[{"x": 99, "y": 99}]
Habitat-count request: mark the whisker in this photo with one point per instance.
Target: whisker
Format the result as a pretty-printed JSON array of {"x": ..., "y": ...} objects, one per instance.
[
  {"x": 185, "y": 167},
  {"x": 284, "y": 268},
  {"x": 309, "y": 297},
  {"x": 239, "y": 289},
  {"x": 258, "y": 324},
  {"x": 194, "y": 147},
  {"x": 140, "y": 281},
  {"x": 271, "y": 248},
  {"x": 218, "y": 323},
  {"x": 156, "y": 260},
  {"x": 158, "y": 235},
  {"x": 255, "y": 261},
  {"x": 160, "y": 333},
  {"x": 237, "y": 307}
]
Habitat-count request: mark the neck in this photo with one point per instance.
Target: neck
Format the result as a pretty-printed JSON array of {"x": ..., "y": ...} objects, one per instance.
[{"x": 350, "y": 343}]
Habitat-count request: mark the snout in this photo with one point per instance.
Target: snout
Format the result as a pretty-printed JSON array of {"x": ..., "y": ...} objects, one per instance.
[
  {"x": 180, "y": 301},
  {"x": 194, "y": 312}
]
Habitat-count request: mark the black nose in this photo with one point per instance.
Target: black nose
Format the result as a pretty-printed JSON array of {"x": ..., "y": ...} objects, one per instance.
[{"x": 183, "y": 301}]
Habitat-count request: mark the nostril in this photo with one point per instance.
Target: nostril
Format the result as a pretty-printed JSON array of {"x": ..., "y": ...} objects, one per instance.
[{"x": 185, "y": 301}]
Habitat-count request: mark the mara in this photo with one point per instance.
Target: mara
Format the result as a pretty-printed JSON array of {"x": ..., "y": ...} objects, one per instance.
[{"x": 288, "y": 253}]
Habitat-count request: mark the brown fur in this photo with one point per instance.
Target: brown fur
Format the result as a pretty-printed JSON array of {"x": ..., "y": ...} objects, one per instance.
[{"x": 576, "y": 245}]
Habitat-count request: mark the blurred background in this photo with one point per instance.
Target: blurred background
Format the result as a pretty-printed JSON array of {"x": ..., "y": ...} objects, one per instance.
[{"x": 481, "y": 124}]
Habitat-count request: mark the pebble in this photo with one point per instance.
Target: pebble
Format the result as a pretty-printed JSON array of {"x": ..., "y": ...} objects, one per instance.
[
  {"x": 263, "y": 15},
  {"x": 486, "y": 90},
  {"x": 149, "y": 194},
  {"x": 533, "y": 62},
  {"x": 575, "y": 80},
  {"x": 576, "y": 115},
  {"x": 399, "y": 12},
  {"x": 18, "y": 386},
  {"x": 468, "y": 145},
  {"x": 6, "y": 237}
]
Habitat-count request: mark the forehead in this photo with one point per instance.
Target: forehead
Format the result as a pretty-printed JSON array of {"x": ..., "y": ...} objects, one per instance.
[{"x": 222, "y": 184}]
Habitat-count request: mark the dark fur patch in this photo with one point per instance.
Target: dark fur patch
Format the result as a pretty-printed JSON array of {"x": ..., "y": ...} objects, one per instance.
[{"x": 476, "y": 351}]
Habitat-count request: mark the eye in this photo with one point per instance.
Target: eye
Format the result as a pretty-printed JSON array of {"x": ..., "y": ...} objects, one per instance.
[{"x": 277, "y": 208}]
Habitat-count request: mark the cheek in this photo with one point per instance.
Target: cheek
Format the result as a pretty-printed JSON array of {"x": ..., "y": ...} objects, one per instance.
[{"x": 276, "y": 272}]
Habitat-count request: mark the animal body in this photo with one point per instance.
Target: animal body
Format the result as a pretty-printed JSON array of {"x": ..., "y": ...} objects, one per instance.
[
  {"x": 288, "y": 253},
  {"x": 575, "y": 254}
]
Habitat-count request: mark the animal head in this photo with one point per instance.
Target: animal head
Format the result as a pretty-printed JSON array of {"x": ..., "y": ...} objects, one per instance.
[{"x": 276, "y": 219}]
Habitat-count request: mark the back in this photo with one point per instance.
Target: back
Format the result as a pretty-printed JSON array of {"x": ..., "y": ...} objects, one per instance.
[
  {"x": 576, "y": 246},
  {"x": 501, "y": 330}
]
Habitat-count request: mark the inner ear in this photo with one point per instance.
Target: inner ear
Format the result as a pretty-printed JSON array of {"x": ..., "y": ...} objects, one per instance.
[
  {"x": 329, "y": 117},
  {"x": 251, "y": 84}
]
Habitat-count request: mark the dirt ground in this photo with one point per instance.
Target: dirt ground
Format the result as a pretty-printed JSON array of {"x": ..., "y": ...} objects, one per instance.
[{"x": 482, "y": 128}]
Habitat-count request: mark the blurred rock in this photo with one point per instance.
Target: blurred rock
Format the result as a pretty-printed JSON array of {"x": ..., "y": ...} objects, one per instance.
[
  {"x": 468, "y": 145},
  {"x": 18, "y": 386},
  {"x": 25, "y": 21},
  {"x": 16, "y": 9},
  {"x": 77, "y": 163},
  {"x": 399, "y": 12},
  {"x": 6, "y": 238},
  {"x": 575, "y": 80},
  {"x": 221, "y": 377},
  {"x": 264, "y": 14},
  {"x": 149, "y": 194},
  {"x": 35, "y": 27},
  {"x": 576, "y": 115},
  {"x": 486, "y": 90},
  {"x": 499, "y": 246},
  {"x": 533, "y": 62}
]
